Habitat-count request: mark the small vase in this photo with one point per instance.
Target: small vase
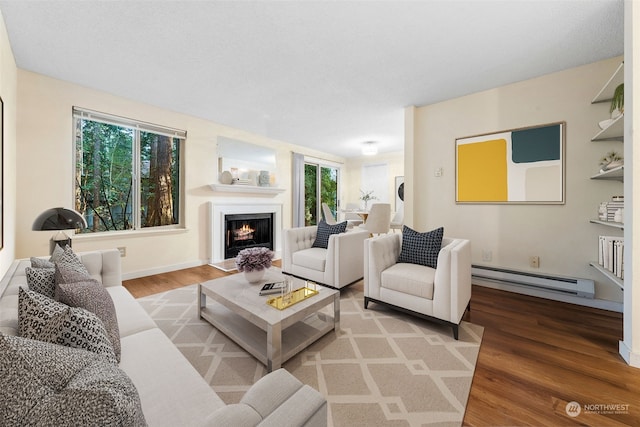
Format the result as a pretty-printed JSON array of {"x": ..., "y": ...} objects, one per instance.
[{"x": 255, "y": 275}]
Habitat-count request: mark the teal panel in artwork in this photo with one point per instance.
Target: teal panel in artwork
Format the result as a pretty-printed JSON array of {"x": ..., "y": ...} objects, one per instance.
[{"x": 536, "y": 144}]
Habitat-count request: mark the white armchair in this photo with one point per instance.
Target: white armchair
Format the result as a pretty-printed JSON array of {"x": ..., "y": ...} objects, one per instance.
[
  {"x": 340, "y": 264},
  {"x": 440, "y": 294}
]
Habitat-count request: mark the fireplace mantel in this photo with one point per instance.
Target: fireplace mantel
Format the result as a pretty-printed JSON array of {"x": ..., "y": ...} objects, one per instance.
[{"x": 245, "y": 189}]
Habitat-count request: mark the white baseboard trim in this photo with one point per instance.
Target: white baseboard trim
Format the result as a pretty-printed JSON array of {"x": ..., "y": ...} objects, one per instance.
[
  {"x": 632, "y": 359},
  {"x": 163, "y": 269},
  {"x": 594, "y": 303}
]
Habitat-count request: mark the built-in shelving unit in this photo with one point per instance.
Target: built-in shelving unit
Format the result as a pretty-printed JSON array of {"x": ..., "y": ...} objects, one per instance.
[
  {"x": 613, "y": 132},
  {"x": 245, "y": 189},
  {"x": 615, "y": 174},
  {"x": 612, "y": 277},
  {"x": 613, "y": 224}
]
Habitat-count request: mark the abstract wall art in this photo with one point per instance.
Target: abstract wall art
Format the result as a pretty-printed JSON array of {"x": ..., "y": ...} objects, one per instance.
[{"x": 523, "y": 165}]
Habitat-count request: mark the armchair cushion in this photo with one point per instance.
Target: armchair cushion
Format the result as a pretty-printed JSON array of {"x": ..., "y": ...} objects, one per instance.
[
  {"x": 410, "y": 279},
  {"x": 325, "y": 230},
  {"x": 421, "y": 248},
  {"x": 313, "y": 258}
]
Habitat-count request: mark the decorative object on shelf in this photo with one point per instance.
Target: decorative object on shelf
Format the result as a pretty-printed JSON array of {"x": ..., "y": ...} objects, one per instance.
[
  {"x": 254, "y": 262},
  {"x": 226, "y": 178},
  {"x": 59, "y": 219},
  {"x": 607, "y": 211},
  {"x": 605, "y": 123},
  {"x": 617, "y": 102},
  {"x": 610, "y": 161},
  {"x": 366, "y": 197},
  {"x": 264, "y": 180}
]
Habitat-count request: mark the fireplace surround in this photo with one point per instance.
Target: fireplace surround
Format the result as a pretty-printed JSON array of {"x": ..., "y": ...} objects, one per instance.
[{"x": 241, "y": 226}]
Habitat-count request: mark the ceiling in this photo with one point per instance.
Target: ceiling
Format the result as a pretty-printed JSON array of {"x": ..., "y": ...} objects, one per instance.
[{"x": 324, "y": 74}]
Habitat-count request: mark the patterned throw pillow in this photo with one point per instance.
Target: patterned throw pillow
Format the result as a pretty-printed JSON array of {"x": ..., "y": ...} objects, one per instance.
[
  {"x": 44, "y": 319},
  {"x": 41, "y": 280},
  {"x": 421, "y": 248},
  {"x": 92, "y": 296},
  {"x": 325, "y": 230},
  {"x": 50, "y": 385},
  {"x": 41, "y": 263},
  {"x": 68, "y": 259}
]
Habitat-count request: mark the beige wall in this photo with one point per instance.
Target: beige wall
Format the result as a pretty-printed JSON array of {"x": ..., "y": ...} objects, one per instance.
[
  {"x": 8, "y": 92},
  {"x": 560, "y": 235},
  {"x": 353, "y": 174},
  {"x": 45, "y": 177}
]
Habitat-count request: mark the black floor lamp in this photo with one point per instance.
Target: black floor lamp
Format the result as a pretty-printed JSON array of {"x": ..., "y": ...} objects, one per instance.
[{"x": 59, "y": 219}]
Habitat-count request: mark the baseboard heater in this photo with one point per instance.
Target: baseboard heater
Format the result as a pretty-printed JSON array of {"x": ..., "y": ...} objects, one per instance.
[{"x": 584, "y": 288}]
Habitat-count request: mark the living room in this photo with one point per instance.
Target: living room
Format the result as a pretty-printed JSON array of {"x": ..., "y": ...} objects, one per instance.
[{"x": 38, "y": 174}]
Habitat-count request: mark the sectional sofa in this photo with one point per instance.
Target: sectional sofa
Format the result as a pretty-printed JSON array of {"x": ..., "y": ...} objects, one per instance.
[{"x": 171, "y": 392}]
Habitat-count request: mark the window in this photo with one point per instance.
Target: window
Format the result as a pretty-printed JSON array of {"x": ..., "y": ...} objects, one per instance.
[
  {"x": 320, "y": 186},
  {"x": 128, "y": 173}
]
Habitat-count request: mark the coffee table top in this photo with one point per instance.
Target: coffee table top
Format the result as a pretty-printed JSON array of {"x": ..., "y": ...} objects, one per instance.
[{"x": 242, "y": 296}]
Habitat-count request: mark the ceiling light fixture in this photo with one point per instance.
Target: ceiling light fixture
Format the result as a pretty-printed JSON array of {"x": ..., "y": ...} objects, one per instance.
[{"x": 369, "y": 148}]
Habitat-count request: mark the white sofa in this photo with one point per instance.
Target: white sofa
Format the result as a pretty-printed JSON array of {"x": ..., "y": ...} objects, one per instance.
[
  {"x": 171, "y": 391},
  {"x": 440, "y": 294},
  {"x": 340, "y": 264}
]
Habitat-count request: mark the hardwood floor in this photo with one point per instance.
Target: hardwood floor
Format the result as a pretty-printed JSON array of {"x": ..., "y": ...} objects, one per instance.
[{"x": 536, "y": 356}]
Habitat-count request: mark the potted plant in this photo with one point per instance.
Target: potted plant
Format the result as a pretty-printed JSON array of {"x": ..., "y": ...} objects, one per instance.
[
  {"x": 617, "y": 102},
  {"x": 365, "y": 197},
  {"x": 254, "y": 262}
]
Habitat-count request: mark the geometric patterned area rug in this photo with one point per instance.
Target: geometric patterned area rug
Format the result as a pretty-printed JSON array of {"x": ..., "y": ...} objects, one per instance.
[{"x": 384, "y": 368}]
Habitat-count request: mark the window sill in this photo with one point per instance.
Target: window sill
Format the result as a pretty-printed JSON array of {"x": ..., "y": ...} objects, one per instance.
[{"x": 128, "y": 234}]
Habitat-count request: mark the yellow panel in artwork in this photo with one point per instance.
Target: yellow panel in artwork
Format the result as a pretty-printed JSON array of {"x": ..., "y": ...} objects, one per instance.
[{"x": 482, "y": 171}]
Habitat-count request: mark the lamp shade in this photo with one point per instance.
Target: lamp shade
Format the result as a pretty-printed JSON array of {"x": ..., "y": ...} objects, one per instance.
[{"x": 59, "y": 219}]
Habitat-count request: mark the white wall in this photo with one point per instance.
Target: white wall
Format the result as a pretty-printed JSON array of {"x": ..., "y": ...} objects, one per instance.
[
  {"x": 560, "y": 235},
  {"x": 45, "y": 159},
  {"x": 353, "y": 175},
  {"x": 8, "y": 92}
]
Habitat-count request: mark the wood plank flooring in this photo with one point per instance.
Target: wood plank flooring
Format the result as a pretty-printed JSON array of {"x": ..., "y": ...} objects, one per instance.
[{"x": 537, "y": 356}]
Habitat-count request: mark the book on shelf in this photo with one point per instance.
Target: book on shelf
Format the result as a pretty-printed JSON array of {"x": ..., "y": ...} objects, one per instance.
[{"x": 611, "y": 254}]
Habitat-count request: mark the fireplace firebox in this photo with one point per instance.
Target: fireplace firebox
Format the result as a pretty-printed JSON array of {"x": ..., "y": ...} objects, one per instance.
[{"x": 247, "y": 231}]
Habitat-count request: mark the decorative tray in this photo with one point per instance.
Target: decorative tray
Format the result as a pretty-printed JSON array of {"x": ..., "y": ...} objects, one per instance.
[{"x": 294, "y": 297}]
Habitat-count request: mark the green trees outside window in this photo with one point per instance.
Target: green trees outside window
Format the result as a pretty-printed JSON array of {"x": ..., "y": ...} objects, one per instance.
[
  {"x": 320, "y": 186},
  {"x": 126, "y": 177}
]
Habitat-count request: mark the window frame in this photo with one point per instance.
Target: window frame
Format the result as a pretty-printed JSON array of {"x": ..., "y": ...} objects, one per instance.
[{"x": 137, "y": 126}]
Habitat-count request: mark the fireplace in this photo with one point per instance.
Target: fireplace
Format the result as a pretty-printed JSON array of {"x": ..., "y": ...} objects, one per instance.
[
  {"x": 218, "y": 214},
  {"x": 247, "y": 231}
]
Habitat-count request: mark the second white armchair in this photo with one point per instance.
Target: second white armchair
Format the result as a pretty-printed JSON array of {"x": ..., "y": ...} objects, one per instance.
[{"x": 337, "y": 265}]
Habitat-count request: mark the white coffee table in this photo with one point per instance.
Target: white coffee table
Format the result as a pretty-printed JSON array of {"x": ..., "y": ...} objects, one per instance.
[{"x": 270, "y": 335}]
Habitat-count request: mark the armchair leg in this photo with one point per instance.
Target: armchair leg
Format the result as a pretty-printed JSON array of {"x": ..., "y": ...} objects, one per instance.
[
  {"x": 366, "y": 303},
  {"x": 455, "y": 332}
]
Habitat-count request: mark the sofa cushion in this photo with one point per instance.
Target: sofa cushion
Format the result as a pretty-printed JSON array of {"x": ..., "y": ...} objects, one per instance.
[
  {"x": 49, "y": 385},
  {"x": 41, "y": 318},
  {"x": 313, "y": 258},
  {"x": 325, "y": 230},
  {"x": 421, "y": 248},
  {"x": 412, "y": 279},
  {"x": 41, "y": 280},
  {"x": 92, "y": 296}
]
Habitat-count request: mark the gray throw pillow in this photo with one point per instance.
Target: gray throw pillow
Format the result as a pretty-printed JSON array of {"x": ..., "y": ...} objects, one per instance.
[
  {"x": 68, "y": 259},
  {"x": 41, "y": 280},
  {"x": 421, "y": 248},
  {"x": 44, "y": 319},
  {"x": 92, "y": 296},
  {"x": 325, "y": 230},
  {"x": 45, "y": 384},
  {"x": 41, "y": 263}
]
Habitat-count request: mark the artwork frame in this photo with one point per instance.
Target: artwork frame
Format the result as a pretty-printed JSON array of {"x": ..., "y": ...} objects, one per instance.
[
  {"x": 1, "y": 173},
  {"x": 399, "y": 192},
  {"x": 515, "y": 166}
]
